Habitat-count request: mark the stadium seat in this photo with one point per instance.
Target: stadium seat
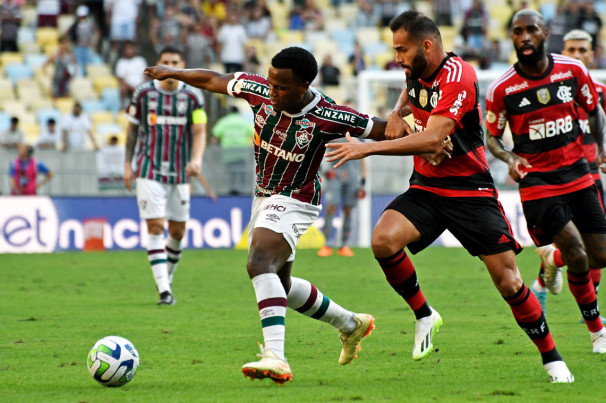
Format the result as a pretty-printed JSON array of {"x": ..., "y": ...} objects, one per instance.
[
  {"x": 99, "y": 117},
  {"x": 17, "y": 72},
  {"x": 35, "y": 60},
  {"x": 334, "y": 24},
  {"x": 65, "y": 21},
  {"x": 368, "y": 35},
  {"x": 7, "y": 58},
  {"x": 103, "y": 82},
  {"x": 81, "y": 88},
  {"x": 122, "y": 120},
  {"x": 6, "y": 88},
  {"x": 41, "y": 103},
  {"x": 29, "y": 16},
  {"x": 31, "y": 130},
  {"x": 27, "y": 118},
  {"x": 14, "y": 108},
  {"x": 29, "y": 48},
  {"x": 288, "y": 37},
  {"x": 64, "y": 105},
  {"x": 375, "y": 48},
  {"x": 348, "y": 11},
  {"x": 26, "y": 35},
  {"x": 5, "y": 121},
  {"x": 91, "y": 106},
  {"x": 46, "y": 36},
  {"x": 110, "y": 97},
  {"x": 279, "y": 16},
  {"x": 98, "y": 70},
  {"x": 44, "y": 114}
]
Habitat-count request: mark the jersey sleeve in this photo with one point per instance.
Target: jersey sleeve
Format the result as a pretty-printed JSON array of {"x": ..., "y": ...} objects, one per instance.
[
  {"x": 496, "y": 112},
  {"x": 587, "y": 95},
  {"x": 133, "y": 111},
  {"x": 11, "y": 169},
  {"x": 252, "y": 88},
  {"x": 43, "y": 169},
  {"x": 339, "y": 120}
]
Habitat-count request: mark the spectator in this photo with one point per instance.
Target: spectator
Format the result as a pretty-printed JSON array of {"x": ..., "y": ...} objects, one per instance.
[
  {"x": 64, "y": 70},
  {"x": 110, "y": 165},
  {"x": 232, "y": 40},
  {"x": 365, "y": 16},
  {"x": 23, "y": 172},
  {"x": 48, "y": 12},
  {"x": 252, "y": 63},
  {"x": 12, "y": 136},
  {"x": 122, "y": 16},
  {"x": 590, "y": 22},
  {"x": 563, "y": 22},
  {"x": 200, "y": 44},
  {"x": 329, "y": 73},
  {"x": 129, "y": 70},
  {"x": 523, "y": 5},
  {"x": 191, "y": 12},
  {"x": 84, "y": 34},
  {"x": 311, "y": 16},
  {"x": 49, "y": 136},
  {"x": 442, "y": 12},
  {"x": 75, "y": 126},
  {"x": 258, "y": 25},
  {"x": 168, "y": 31},
  {"x": 214, "y": 8},
  {"x": 475, "y": 26},
  {"x": 356, "y": 60},
  {"x": 10, "y": 19},
  {"x": 235, "y": 135},
  {"x": 387, "y": 10}
]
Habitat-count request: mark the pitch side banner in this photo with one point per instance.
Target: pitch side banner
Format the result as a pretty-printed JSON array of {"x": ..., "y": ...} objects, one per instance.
[{"x": 42, "y": 224}]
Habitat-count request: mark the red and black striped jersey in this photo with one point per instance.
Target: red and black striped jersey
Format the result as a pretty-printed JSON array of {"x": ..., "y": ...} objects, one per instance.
[
  {"x": 289, "y": 147},
  {"x": 542, "y": 116},
  {"x": 452, "y": 91},
  {"x": 165, "y": 133},
  {"x": 590, "y": 148}
]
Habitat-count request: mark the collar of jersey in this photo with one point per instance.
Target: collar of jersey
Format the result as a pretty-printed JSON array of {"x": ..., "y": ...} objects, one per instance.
[
  {"x": 160, "y": 89},
  {"x": 309, "y": 106}
]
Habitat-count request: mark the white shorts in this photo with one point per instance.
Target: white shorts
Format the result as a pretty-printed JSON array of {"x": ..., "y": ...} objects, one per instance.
[
  {"x": 283, "y": 215},
  {"x": 161, "y": 200}
]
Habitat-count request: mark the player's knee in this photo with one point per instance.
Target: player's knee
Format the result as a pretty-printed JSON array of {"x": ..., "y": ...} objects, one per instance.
[
  {"x": 260, "y": 262},
  {"x": 384, "y": 243},
  {"x": 509, "y": 283},
  {"x": 577, "y": 259}
]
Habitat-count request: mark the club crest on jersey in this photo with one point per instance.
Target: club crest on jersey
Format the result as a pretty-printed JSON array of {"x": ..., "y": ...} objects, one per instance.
[
  {"x": 181, "y": 106},
  {"x": 543, "y": 96},
  {"x": 434, "y": 98},
  {"x": 423, "y": 97},
  {"x": 491, "y": 117},
  {"x": 303, "y": 138}
]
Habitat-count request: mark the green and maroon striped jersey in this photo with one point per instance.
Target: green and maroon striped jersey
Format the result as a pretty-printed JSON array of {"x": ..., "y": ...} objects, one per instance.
[
  {"x": 165, "y": 130},
  {"x": 289, "y": 147}
]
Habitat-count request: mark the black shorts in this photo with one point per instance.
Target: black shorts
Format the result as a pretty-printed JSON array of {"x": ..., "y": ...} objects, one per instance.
[
  {"x": 479, "y": 223},
  {"x": 546, "y": 217}
]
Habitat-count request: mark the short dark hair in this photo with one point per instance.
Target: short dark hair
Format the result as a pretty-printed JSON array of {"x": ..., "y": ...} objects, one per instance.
[
  {"x": 418, "y": 25},
  {"x": 14, "y": 120},
  {"x": 302, "y": 63},
  {"x": 51, "y": 121},
  {"x": 171, "y": 50}
]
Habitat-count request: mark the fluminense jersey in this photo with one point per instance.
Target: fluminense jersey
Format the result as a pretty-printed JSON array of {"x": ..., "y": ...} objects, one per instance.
[
  {"x": 590, "y": 148},
  {"x": 165, "y": 131},
  {"x": 289, "y": 148},
  {"x": 543, "y": 119},
  {"x": 452, "y": 92}
]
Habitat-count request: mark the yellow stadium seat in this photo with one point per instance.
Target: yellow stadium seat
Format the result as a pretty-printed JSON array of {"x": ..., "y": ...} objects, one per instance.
[
  {"x": 103, "y": 82},
  {"x": 27, "y": 118},
  {"x": 41, "y": 103},
  {"x": 65, "y": 105},
  {"x": 98, "y": 70},
  {"x": 122, "y": 120},
  {"x": 288, "y": 37},
  {"x": 31, "y": 130},
  {"x": 368, "y": 35},
  {"x": 101, "y": 117},
  {"x": 47, "y": 36},
  {"x": 6, "y": 89},
  {"x": 11, "y": 58},
  {"x": 279, "y": 16},
  {"x": 81, "y": 88},
  {"x": 14, "y": 108}
]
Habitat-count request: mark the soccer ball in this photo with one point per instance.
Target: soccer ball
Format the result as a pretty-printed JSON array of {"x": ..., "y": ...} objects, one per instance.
[{"x": 113, "y": 361}]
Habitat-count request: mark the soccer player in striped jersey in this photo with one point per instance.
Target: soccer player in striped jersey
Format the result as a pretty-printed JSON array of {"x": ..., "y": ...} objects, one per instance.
[
  {"x": 459, "y": 195},
  {"x": 293, "y": 122},
  {"x": 578, "y": 45},
  {"x": 538, "y": 97},
  {"x": 167, "y": 127}
]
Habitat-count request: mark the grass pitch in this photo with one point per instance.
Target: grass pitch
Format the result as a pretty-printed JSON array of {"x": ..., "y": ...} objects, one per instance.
[{"x": 53, "y": 308}]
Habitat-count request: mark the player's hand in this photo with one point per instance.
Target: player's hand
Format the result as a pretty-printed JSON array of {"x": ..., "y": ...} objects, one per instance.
[
  {"x": 517, "y": 167},
  {"x": 445, "y": 152},
  {"x": 158, "y": 72},
  {"x": 212, "y": 195},
  {"x": 396, "y": 127},
  {"x": 193, "y": 168},
  {"x": 129, "y": 177},
  {"x": 354, "y": 149}
]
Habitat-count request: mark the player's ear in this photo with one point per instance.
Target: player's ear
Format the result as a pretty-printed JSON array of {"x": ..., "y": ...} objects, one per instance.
[{"x": 427, "y": 45}]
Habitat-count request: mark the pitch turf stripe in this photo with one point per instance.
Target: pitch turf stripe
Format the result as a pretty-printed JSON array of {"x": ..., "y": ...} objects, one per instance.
[
  {"x": 310, "y": 301},
  {"x": 157, "y": 261},
  {"x": 273, "y": 321},
  {"x": 155, "y": 251},
  {"x": 323, "y": 308},
  {"x": 272, "y": 302}
]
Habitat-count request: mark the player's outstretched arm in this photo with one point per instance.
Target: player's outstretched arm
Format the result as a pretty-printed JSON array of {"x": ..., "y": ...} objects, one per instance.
[{"x": 206, "y": 79}]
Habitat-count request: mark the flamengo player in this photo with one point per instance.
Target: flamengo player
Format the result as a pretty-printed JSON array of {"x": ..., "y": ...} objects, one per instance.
[
  {"x": 459, "y": 195},
  {"x": 168, "y": 122},
  {"x": 577, "y": 44},
  {"x": 538, "y": 97},
  {"x": 293, "y": 121}
]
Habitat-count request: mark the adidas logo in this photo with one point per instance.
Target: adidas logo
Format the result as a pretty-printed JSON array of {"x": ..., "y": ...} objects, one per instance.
[
  {"x": 525, "y": 102},
  {"x": 503, "y": 239}
]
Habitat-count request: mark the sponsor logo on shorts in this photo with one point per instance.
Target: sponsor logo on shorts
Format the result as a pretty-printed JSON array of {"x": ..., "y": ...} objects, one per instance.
[
  {"x": 275, "y": 207},
  {"x": 296, "y": 231},
  {"x": 504, "y": 239},
  {"x": 272, "y": 217},
  {"x": 143, "y": 204}
]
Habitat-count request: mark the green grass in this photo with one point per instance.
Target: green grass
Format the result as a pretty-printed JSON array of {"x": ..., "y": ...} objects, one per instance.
[{"x": 53, "y": 308}]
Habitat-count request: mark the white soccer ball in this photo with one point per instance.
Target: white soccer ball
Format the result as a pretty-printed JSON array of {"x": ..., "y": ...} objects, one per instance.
[{"x": 113, "y": 361}]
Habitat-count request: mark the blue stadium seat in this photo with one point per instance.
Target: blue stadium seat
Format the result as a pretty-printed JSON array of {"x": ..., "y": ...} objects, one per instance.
[
  {"x": 16, "y": 72},
  {"x": 34, "y": 60},
  {"x": 92, "y": 106},
  {"x": 44, "y": 114},
  {"x": 110, "y": 97},
  {"x": 5, "y": 121}
]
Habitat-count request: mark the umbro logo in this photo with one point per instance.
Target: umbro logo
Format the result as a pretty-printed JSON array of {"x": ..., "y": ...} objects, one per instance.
[
  {"x": 524, "y": 102},
  {"x": 272, "y": 217}
]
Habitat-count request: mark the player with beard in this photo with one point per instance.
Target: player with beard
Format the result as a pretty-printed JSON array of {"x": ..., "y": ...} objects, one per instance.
[
  {"x": 539, "y": 97},
  {"x": 578, "y": 45},
  {"x": 459, "y": 195}
]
